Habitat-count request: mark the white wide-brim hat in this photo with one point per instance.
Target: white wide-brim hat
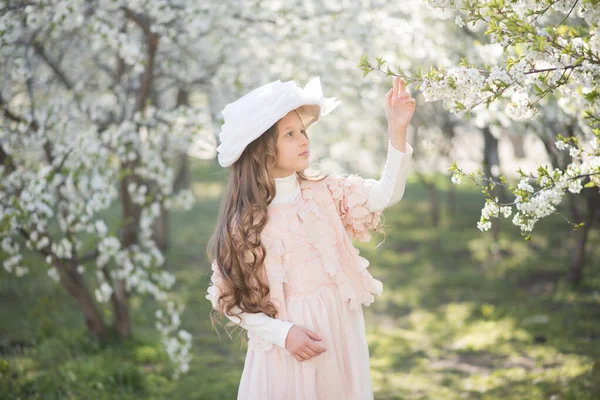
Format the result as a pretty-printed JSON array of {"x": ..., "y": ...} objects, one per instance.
[{"x": 252, "y": 114}]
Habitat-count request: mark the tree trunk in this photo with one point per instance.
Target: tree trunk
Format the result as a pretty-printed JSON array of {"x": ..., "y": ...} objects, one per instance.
[
  {"x": 182, "y": 177},
  {"x": 434, "y": 204},
  {"x": 160, "y": 232},
  {"x": 132, "y": 212},
  {"x": 451, "y": 199},
  {"x": 121, "y": 309},
  {"x": 491, "y": 159},
  {"x": 581, "y": 236},
  {"x": 518, "y": 142},
  {"x": 161, "y": 227},
  {"x": 129, "y": 236},
  {"x": 75, "y": 285}
]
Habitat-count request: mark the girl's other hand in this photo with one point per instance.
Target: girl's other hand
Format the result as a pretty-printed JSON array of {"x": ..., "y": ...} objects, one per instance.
[{"x": 300, "y": 342}]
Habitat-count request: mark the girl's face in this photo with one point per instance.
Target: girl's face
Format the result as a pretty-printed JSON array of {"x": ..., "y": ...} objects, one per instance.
[{"x": 292, "y": 146}]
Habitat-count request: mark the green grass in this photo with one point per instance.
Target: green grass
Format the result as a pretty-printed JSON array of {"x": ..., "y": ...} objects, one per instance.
[{"x": 460, "y": 316}]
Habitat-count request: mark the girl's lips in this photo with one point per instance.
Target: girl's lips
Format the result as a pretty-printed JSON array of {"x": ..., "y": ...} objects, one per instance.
[{"x": 304, "y": 154}]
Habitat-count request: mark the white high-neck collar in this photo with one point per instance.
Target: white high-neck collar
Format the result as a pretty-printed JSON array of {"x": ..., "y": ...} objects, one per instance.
[{"x": 287, "y": 188}]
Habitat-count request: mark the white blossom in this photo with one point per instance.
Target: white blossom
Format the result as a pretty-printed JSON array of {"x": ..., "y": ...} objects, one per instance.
[
  {"x": 506, "y": 211},
  {"x": 524, "y": 185},
  {"x": 484, "y": 226},
  {"x": 574, "y": 152},
  {"x": 456, "y": 178},
  {"x": 459, "y": 21},
  {"x": 104, "y": 292},
  {"x": 54, "y": 274}
]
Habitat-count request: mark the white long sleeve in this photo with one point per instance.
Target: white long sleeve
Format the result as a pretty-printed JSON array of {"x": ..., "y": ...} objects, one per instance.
[
  {"x": 389, "y": 190},
  {"x": 272, "y": 330}
]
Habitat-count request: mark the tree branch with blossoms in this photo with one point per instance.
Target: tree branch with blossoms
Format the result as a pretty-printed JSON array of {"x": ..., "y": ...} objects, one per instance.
[
  {"x": 551, "y": 59},
  {"x": 531, "y": 204}
]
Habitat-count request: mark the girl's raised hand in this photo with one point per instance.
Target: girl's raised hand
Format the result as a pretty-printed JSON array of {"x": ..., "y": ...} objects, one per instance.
[
  {"x": 300, "y": 342},
  {"x": 399, "y": 106}
]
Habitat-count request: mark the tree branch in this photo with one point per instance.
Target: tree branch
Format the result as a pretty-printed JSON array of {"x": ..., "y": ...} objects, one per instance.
[{"x": 39, "y": 49}]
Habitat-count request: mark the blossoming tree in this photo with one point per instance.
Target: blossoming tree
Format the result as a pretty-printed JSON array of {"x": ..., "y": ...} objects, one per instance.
[
  {"x": 95, "y": 109},
  {"x": 550, "y": 59},
  {"x": 80, "y": 132}
]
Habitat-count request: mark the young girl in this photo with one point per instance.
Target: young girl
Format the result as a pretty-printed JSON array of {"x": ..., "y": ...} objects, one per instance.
[{"x": 285, "y": 268}]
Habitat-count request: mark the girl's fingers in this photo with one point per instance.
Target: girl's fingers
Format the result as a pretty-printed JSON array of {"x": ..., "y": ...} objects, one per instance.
[
  {"x": 396, "y": 86},
  {"x": 388, "y": 97},
  {"x": 310, "y": 352},
  {"x": 402, "y": 87},
  {"x": 317, "y": 348}
]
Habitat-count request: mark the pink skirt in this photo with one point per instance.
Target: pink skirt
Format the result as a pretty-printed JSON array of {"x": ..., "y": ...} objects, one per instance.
[{"x": 342, "y": 372}]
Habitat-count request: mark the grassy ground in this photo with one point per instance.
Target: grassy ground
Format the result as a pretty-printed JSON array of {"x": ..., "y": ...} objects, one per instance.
[{"x": 460, "y": 317}]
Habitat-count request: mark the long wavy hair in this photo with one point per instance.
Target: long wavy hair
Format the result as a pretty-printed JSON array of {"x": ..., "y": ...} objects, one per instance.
[{"x": 235, "y": 243}]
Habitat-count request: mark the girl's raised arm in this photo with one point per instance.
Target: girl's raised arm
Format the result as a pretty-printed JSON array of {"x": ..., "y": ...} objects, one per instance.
[{"x": 389, "y": 190}]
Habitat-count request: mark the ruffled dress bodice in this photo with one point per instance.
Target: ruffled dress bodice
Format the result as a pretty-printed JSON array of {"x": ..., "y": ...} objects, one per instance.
[
  {"x": 308, "y": 246},
  {"x": 304, "y": 267}
]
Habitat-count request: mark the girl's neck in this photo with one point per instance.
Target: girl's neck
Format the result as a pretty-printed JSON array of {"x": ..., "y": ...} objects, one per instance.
[{"x": 287, "y": 189}]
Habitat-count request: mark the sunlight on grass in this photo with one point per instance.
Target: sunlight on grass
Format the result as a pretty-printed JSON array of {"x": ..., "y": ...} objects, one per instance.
[
  {"x": 488, "y": 335},
  {"x": 443, "y": 355},
  {"x": 207, "y": 190}
]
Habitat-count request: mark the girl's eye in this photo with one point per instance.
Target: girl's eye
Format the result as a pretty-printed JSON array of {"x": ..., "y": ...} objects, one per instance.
[{"x": 292, "y": 132}]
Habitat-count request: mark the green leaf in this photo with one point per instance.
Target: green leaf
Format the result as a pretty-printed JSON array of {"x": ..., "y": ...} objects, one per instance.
[
  {"x": 417, "y": 74},
  {"x": 363, "y": 61},
  {"x": 591, "y": 97}
]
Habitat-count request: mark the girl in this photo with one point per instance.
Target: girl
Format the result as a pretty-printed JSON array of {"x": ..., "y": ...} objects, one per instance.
[{"x": 285, "y": 268}]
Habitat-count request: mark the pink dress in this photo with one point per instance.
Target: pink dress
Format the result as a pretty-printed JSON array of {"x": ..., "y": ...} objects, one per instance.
[{"x": 318, "y": 281}]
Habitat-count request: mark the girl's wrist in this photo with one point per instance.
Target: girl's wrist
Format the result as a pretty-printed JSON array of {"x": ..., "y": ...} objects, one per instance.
[
  {"x": 394, "y": 130},
  {"x": 398, "y": 141},
  {"x": 397, "y": 136}
]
